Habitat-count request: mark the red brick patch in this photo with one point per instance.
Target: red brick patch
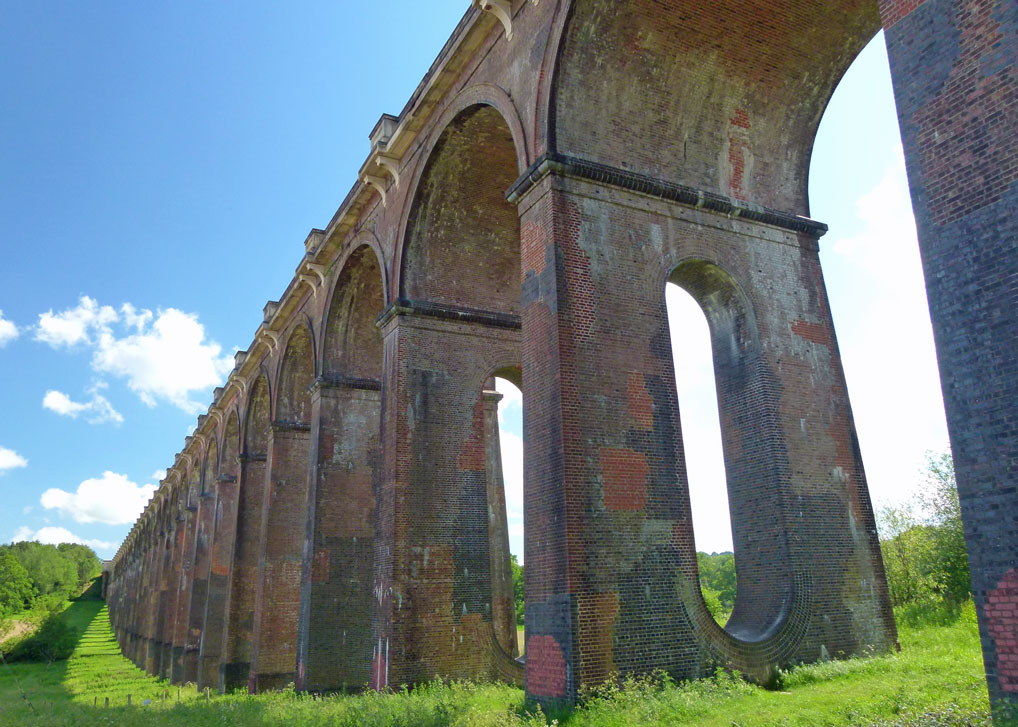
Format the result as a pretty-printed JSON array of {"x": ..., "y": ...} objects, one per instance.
[
  {"x": 546, "y": 667},
  {"x": 625, "y": 479},
  {"x": 1001, "y": 611}
]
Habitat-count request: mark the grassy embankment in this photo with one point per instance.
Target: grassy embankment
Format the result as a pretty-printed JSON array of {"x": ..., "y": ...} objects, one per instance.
[{"x": 936, "y": 680}]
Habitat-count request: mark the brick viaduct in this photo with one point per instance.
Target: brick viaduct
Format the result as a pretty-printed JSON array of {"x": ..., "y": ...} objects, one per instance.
[{"x": 337, "y": 517}]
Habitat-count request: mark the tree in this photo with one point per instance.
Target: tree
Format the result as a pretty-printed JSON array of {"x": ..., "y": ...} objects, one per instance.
[
  {"x": 51, "y": 572},
  {"x": 939, "y": 499},
  {"x": 16, "y": 589},
  {"x": 84, "y": 558},
  {"x": 923, "y": 542},
  {"x": 717, "y": 579},
  {"x": 517, "y": 588}
]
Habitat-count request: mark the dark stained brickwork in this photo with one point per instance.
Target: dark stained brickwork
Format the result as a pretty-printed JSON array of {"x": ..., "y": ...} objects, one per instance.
[
  {"x": 338, "y": 521},
  {"x": 955, "y": 71}
]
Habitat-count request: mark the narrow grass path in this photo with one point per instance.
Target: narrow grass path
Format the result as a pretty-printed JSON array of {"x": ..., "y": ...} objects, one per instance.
[{"x": 936, "y": 681}]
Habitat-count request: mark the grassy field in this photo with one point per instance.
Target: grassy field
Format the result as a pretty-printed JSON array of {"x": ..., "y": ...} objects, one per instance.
[{"x": 935, "y": 681}]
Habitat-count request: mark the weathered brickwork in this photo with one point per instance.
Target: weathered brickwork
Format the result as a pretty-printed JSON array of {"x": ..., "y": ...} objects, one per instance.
[
  {"x": 338, "y": 518},
  {"x": 955, "y": 71}
]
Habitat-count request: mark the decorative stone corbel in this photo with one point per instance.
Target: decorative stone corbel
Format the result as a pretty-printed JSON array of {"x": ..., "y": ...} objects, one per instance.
[
  {"x": 390, "y": 164},
  {"x": 269, "y": 337},
  {"x": 378, "y": 183},
  {"x": 501, "y": 9},
  {"x": 313, "y": 275}
]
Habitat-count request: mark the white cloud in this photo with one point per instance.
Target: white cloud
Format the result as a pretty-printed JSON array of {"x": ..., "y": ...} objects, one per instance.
[
  {"x": 9, "y": 460},
  {"x": 8, "y": 331},
  {"x": 111, "y": 499},
  {"x": 166, "y": 360},
  {"x": 158, "y": 475},
  {"x": 163, "y": 356},
  {"x": 74, "y": 325},
  {"x": 97, "y": 411},
  {"x": 56, "y": 536},
  {"x": 511, "y": 405}
]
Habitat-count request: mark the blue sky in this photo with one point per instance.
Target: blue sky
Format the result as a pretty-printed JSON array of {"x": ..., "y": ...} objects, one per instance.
[{"x": 160, "y": 167}]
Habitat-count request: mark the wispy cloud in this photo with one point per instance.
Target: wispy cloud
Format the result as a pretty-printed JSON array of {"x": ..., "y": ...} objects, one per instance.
[{"x": 97, "y": 410}]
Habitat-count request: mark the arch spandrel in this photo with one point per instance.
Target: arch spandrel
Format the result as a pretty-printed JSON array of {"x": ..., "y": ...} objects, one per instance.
[
  {"x": 352, "y": 344},
  {"x": 231, "y": 443},
  {"x": 461, "y": 244},
  {"x": 296, "y": 372},
  {"x": 257, "y": 417},
  {"x": 211, "y": 466},
  {"x": 717, "y": 101}
]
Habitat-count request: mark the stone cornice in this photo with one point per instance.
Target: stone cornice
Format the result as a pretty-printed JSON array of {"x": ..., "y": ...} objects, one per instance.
[
  {"x": 553, "y": 163},
  {"x": 404, "y": 306}
]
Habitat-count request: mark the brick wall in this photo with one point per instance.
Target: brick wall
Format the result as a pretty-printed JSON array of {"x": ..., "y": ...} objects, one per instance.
[
  {"x": 954, "y": 70},
  {"x": 665, "y": 141}
]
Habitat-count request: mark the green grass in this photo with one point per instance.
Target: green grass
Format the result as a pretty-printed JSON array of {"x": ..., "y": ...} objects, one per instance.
[{"x": 935, "y": 681}]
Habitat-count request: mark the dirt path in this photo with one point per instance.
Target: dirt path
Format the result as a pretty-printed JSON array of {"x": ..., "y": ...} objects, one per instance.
[{"x": 13, "y": 629}]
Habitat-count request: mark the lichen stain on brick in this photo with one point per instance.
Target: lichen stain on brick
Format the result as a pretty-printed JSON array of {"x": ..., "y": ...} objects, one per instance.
[
  {"x": 579, "y": 282},
  {"x": 472, "y": 453},
  {"x": 597, "y": 618},
  {"x": 1001, "y": 613},
  {"x": 546, "y": 667},
  {"x": 532, "y": 248},
  {"x": 624, "y": 474},
  {"x": 320, "y": 566}
]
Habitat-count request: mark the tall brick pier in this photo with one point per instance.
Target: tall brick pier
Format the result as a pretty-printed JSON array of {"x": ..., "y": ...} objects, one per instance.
[{"x": 337, "y": 520}]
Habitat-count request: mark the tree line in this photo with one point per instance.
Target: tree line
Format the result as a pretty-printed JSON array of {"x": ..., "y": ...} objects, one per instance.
[{"x": 31, "y": 573}]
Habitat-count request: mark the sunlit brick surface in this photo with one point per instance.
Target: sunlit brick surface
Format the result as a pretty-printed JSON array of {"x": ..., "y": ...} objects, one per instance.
[{"x": 337, "y": 519}]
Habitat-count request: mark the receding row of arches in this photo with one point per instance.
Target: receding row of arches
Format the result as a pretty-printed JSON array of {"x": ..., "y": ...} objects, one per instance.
[{"x": 353, "y": 498}]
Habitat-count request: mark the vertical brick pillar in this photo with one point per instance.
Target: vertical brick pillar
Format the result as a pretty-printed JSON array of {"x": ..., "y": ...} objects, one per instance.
[
  {"x": 157, "y": 550},
  {"x": 199, "y": 582},
  {"x": 238, "y": 639},
  {"x": 336, "y": 603},
  {"x": 220, "y": 561},
  {"x": 149, "y": 597},
  {"x": 611, "y": 573},
  {"x": 182, "y": 599},
  {"x": 172, "y": 591},
  {"x": 954, "y": 64},
  {"x": 433, "y": 568},
  {"x": 277, "y": 600},
  {"x": 161, "y": 660},
  {"x": 503, "y": 599}
]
